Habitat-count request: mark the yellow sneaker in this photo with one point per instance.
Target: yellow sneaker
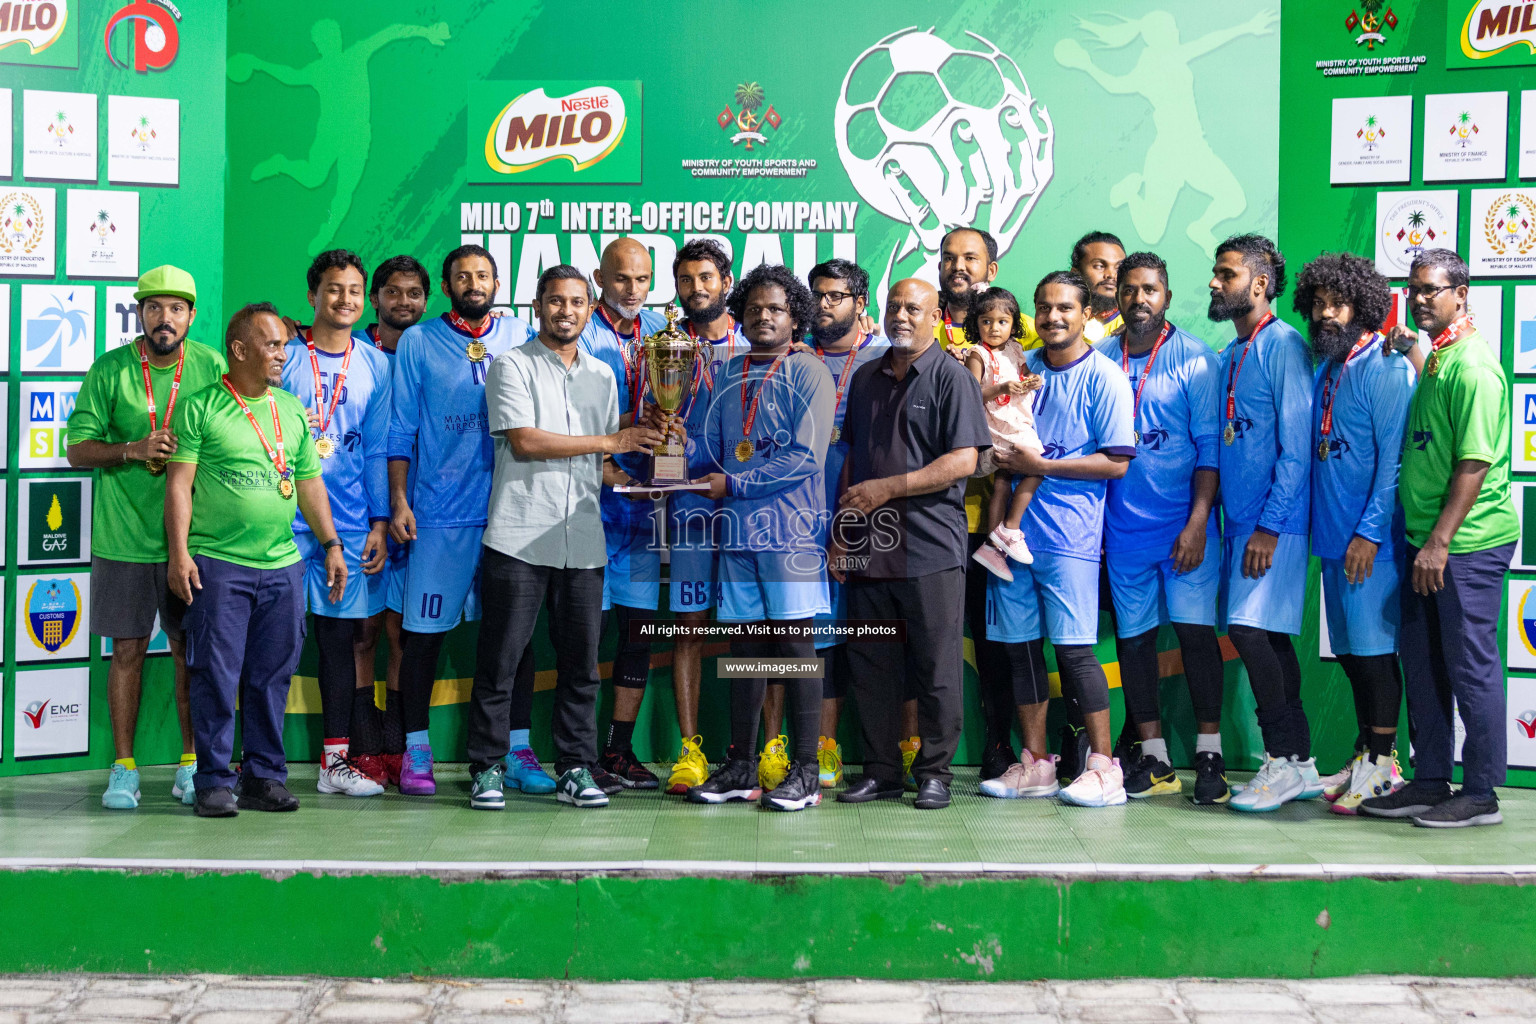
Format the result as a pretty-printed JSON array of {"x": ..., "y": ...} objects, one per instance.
[
  {"x": 773, "y": 763},
  {"x": 690, "y": 769},
  {"x": 829, "y": 762},
  {"x": 909, "y": 749}
]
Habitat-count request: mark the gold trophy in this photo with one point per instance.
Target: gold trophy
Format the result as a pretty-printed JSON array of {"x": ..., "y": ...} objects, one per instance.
[{"x": 671, "y": 369}]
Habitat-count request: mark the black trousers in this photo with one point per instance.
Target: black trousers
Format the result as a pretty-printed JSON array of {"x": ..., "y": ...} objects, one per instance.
[
  {"x": 511, "y": 593},
  {"x": 930, "y": 665}
]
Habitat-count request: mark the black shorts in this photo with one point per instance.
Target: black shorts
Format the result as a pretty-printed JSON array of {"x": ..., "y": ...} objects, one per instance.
[{"x": 127, "y": 597}]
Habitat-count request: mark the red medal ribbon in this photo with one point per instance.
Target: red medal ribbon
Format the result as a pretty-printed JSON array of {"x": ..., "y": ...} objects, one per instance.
[
  {"x": 847, "y": 371},
  {"x": 1331, "y": 387},
  {"x": 149, "y": 391},
  {"x": 949, "y": 332},
  {"x": 372, "y": 330},
  {"x": 459, "y": 323},
  {"x": 729, "y": 341},
  {"x": 631, "y": 371},
  {"x": 995, "y": 366},
  {"x": 1237, "y": 367},
  {"x": 279, "y": 460},
  {"x": 749, "y": 416},
  {"x": 1125, "y": 364},
  {"x": 336, "y": 385},
  {"x": 1458, "y": 329}
]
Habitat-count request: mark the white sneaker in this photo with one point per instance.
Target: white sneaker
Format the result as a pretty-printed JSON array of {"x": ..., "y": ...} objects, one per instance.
[
  {"x": 1311, "y": 784},
  {"x": 1101, "y": 785},
  {"x": 995, "y": 561},
  {"x": 1371, "y": 779},
  {"x": 1278, "y": 782},
  {"x": 338, "y": 776},
  {"x": 1011, "y": 543},
  {"x": 1337, "y": 784}
]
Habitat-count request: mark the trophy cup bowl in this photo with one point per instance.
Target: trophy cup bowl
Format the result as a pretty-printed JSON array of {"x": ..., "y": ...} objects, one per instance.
[{"x": 671, "y": 362}]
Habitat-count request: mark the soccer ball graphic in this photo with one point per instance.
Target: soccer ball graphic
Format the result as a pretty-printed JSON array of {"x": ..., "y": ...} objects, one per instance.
[{"x": 939, "y": 137}]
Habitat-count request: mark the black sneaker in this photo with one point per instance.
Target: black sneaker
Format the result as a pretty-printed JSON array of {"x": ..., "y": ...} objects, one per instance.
[
  {"x": 800, "y": 789},
  {"x": 734, "y": 780},
  {"x": 1411, "y": 801},
  {"x": 1211, "y": 779},
  {"x": 606, "y": 781},
  {"x": 255, "y": 794},
  {"x": 621, "y": 764},
  {"x": 218, "y": 802},
  {"x": 1074, "y": 750},
  {"x": 1151, "y": 777},
  {"x": 997, "y": 759},
  {"x": 1461, "y": 811},
  {"x": 1128, "y": 746}
]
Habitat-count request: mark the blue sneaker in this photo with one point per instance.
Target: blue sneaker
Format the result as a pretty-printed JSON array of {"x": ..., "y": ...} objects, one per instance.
[
  {"x": 182, "y": 788},
  {"x": 525, "y": 773},
  {"x": 122, "y": 789}
]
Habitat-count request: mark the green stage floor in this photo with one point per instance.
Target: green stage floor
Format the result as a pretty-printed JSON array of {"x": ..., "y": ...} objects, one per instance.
[{"x": 57, "y": 821}]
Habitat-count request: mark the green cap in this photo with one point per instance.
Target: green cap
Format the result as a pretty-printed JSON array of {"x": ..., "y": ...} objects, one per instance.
[{"x": 166, "y": 280}]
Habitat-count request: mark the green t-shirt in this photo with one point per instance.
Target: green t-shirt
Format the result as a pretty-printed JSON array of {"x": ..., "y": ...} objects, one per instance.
[
  {"x": 238, "y": 514},
  {"x": 1461, "y": 412},
  {"x": 129, "y": 523}
]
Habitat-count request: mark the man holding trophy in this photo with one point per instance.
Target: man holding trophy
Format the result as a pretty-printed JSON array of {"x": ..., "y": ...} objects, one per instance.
[{"x": 554, "y": 415}]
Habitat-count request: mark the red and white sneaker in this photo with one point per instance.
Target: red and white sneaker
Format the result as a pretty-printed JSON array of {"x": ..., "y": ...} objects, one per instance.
[
  {"x": 339, "y": 775},
  {"x": 371, "y": 765}
]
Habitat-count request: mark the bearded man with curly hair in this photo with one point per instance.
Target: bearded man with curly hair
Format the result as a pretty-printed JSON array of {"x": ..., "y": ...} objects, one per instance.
[{"x": 1359, "y": 407}]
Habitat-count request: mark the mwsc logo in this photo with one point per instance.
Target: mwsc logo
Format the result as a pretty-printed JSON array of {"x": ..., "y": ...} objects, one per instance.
[{"x": 534, "y": 132}]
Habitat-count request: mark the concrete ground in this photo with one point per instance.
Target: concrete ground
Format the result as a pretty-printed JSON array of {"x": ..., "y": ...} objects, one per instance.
[{"x": 224, "y": 999}]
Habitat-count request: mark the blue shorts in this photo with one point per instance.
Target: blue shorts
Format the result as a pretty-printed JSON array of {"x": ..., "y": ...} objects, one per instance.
[
  {"x": 633, "y": 575},
  {"x": 1362, "y": 617},
  {"x": 1148, "y": 593},
  {"x": 1273, "y": 601},
  {"x": 780, "y": 585},
  {"x": 837, "y": 599},
  {"x": 692, "y": 586},
  {"x": 442, "y": 578},
  {"x": 394, "y": 577},
  {"x": 1059, "y": 590},
  {"x": 358, "y": 599}
]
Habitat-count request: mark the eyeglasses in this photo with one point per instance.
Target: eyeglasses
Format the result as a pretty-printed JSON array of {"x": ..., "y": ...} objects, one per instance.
[
  {"x": 832, "y": 298},
  {"x": 1426, "y": 292}
]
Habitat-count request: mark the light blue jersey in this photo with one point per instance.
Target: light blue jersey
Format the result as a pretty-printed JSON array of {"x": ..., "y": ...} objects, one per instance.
[
  {"x": 837, "y": 365},
  {"x": 1354, "y": 491},
  {"x": 1083, "y": 408},
  {"x": 776, "y": 499},
  {"x": 620, "y": 352},
  {"x": 1265, "y": 471},
  {"x": 357, "y": 476},
  {"x": 439, "y": 422},
  {"x": 1176, "y": 420}
]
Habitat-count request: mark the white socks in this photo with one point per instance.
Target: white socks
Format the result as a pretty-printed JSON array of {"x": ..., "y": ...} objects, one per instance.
[
  {"x": 1157, "y": 748},
  {"x": 1204, "y": 741}
]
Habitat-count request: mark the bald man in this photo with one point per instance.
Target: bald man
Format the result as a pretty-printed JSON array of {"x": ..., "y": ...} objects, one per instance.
[
  {"x": 914, "y": 427},
  {"x": 617, "y": 328}
]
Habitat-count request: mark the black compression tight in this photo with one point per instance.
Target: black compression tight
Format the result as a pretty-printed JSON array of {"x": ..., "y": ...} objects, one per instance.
[
  {"x": 803, "y": 697},
  {"x": 418, "y": 672},
  {"x": 1275, "y": 675},
  {"x": 338, "y": 673},
  {"x": 632, "y": 658}
]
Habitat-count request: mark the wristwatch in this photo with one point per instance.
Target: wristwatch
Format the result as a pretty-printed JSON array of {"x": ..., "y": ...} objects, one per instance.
[{"x": 334, "y": 542}]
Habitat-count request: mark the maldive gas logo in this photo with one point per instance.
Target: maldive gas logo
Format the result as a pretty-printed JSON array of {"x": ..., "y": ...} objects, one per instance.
[
  {"x": 53, "y": 613},
  {"x": 156, "y": 38},
  {"x": 582, "y": 127}
]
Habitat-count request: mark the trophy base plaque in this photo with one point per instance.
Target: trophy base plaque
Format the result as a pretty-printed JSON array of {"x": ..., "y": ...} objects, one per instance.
[{"x": 659, "y": 489}]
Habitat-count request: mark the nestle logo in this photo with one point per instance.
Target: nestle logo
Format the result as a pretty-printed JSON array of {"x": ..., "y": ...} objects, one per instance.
[{"x": 595, "y": 102}]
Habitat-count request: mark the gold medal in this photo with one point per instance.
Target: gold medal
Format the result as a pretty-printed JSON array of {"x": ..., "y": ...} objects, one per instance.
[
  {"x": 1136, "y": 437},
  {"x": 743, "y": 450},
  {"x": 475, "y": 351},
  {"x": 1322, "y": 451},
  {"x": 155, "y": 466},
  {"x": 1229, "y": 435},
  {"x": 1433, "y": 366},
  {"x": 285, "y": 487},
  {"x": 325, "y": 447},
  {"x": 837, "y": 434}
]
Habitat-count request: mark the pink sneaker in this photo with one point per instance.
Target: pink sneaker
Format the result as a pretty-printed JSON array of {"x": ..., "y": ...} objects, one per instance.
[
  {"x": 1031, "y": 777},
  {"x": 1011, "y": 543},
  {"x": 1102, "y": 785},
  {"x": 995, "y": 561},
  {"x": 416, "y": 771}
]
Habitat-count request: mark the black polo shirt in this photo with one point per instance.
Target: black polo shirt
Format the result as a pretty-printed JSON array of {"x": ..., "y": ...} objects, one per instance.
[{"x": 899, "y": 426}]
